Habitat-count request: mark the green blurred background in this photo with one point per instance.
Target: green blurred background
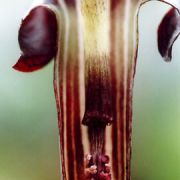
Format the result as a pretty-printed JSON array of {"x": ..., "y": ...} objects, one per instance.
[{"x": 28, "y": 119}]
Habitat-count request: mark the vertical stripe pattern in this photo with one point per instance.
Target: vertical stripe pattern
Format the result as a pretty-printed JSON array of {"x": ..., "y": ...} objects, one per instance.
[
  {"x": 89, "y": 31},
  {"x": 97, "y": 47}
]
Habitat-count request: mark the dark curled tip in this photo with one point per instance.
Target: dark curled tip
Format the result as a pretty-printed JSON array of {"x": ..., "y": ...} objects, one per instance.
[
  {"x": 168, "y": 32},
  {"x": 37, "y": 39}
]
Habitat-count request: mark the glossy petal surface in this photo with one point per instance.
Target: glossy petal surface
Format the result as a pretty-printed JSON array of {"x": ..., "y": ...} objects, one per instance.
[
  {"x": 37, "y": 39},
  {"x": 168, "y": 32}
]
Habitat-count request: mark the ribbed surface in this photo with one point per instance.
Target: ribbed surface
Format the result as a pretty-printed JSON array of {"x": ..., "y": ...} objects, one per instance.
[{"x": 94, "y": 76}]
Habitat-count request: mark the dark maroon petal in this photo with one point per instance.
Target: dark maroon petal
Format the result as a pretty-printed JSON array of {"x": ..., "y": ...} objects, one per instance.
[
  {"x": 168, "y": 32},
  {"x": 37, "y": 39}
]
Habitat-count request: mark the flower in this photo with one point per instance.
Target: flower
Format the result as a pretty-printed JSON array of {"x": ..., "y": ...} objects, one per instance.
[
  {"x": 94, "y": 44},
  {"x": 168, "y": 32}
]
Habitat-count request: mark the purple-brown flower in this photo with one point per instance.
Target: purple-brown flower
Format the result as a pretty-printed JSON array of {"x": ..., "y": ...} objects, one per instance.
[{"x": 94, "y": 44}]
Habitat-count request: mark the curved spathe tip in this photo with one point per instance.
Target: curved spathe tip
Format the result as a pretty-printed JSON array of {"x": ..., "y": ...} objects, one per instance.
[
  {"x": 168, "y": 32},
  {"x": 37, "y": 39}
]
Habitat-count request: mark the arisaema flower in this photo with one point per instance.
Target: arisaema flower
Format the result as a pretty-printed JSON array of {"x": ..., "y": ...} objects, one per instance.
[{"x": 94, "y": 44}]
